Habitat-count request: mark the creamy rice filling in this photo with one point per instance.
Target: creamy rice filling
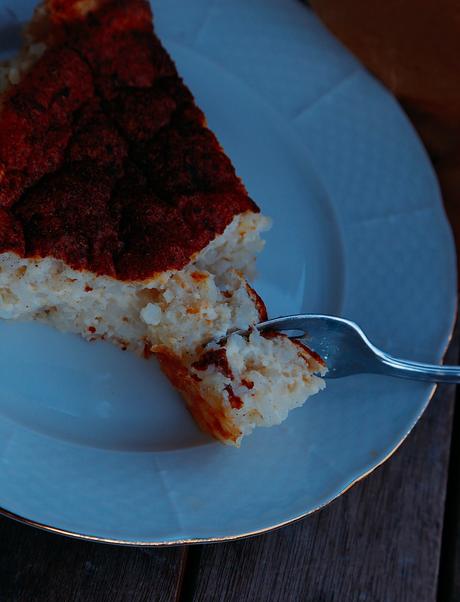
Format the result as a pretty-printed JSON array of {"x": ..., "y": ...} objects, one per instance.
[
  {"x": 180, "y": 309},
  {"x": 265, "y": 379}
]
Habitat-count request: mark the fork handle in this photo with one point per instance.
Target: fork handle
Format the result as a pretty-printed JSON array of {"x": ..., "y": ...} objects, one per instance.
[{"x": 418, "y": 371}]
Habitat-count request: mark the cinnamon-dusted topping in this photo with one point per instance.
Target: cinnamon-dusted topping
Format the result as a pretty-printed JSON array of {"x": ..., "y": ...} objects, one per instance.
[{"x": 105, "y": 160}]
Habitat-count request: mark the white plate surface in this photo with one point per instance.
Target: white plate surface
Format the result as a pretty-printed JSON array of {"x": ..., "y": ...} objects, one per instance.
[{"x": 94, "y": 442}]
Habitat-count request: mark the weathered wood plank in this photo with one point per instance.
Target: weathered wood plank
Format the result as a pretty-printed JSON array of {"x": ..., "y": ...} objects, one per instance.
[
  {"x": 449, "y": 578},
  {"x": 380, "y": 542},
  {"x": 37, "y": 566}
]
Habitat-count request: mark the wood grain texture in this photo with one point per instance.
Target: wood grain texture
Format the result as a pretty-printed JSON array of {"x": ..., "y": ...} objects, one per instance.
[
  {"x": 449, "y": 577},
  {"x": 380, "y": 542},
  {"x": 41, "y": 567}
]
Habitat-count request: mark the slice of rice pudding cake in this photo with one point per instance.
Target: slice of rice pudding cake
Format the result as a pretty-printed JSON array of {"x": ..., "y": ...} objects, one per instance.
[{"x": 121, "y": 218}]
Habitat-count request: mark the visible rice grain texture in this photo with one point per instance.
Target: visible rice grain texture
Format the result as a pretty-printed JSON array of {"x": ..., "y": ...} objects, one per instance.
[
  {"x": 263, "y": 380},
  {"x": 174, "y": 313},
  {"x": 176, "y": 309}
]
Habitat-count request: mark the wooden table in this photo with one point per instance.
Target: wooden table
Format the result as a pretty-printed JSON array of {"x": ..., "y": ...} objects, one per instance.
[{"x": 392, "y": 538}]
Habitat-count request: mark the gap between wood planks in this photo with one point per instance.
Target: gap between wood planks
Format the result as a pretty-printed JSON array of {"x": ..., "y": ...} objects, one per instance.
[
  {"x": 449, "y": 565},
  {"x": 189, "y": 573}
]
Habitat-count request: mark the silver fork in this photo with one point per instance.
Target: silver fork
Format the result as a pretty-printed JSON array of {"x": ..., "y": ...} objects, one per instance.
[{"x": 347, "y": 350}]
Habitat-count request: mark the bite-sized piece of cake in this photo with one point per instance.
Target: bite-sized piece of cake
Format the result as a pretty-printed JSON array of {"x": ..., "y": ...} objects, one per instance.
[
  {"x": 121, "y": 217},
  {"x": 246, "y": 381}
]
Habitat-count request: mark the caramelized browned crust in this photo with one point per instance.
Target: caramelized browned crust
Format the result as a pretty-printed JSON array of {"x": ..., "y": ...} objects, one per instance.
[
  {"x": 210, "y": 415},
  {"x": 314, "y": 361},
  {"x": 105, "y": 161}
]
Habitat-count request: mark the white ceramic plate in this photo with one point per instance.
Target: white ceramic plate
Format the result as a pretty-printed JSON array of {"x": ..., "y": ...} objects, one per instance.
[{"x": 93, "y": 441}]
